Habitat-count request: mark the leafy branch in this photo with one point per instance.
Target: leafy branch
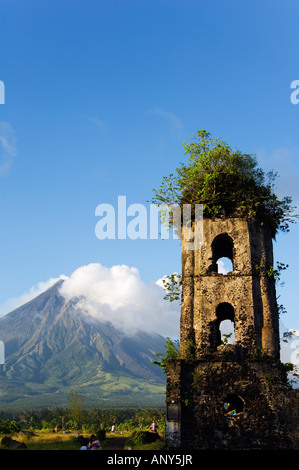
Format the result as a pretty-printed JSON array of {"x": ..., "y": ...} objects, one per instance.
[
  {"x": 172, "y": 351},
  {"x": 173, "y": 286}
]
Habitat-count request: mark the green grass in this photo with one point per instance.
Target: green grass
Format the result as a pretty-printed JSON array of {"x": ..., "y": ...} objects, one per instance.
[
  {"x": 59, "y": 441},
  {"x": 48, "y": 441}
]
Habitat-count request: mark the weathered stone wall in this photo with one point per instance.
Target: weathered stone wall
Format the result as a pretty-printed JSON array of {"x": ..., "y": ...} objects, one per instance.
[
  {"x": 248, "y": 288},
  {"x": 202, "y": 388},
  {"x": 209, "y": 292}
]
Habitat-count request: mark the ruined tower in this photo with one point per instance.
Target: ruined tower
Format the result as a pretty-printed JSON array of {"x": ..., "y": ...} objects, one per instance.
[{"x": 221, "y": 395}]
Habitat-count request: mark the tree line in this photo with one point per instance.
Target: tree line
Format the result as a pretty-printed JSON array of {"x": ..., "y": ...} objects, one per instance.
[{"x": 77, "y": 418}]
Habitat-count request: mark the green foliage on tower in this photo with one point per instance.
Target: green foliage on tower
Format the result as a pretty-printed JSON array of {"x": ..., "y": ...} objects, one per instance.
[{"x": 227, "y": 182}]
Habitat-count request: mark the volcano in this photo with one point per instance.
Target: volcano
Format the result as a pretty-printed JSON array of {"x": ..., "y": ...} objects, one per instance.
[{"x": 52, "y": 348}]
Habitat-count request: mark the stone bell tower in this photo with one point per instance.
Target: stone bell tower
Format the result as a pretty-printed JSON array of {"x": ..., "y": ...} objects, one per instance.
[{"x": 222, "y": 395}]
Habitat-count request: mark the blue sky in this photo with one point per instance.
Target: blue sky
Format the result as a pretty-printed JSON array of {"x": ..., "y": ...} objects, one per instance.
[{"x": 99, "y": 97}]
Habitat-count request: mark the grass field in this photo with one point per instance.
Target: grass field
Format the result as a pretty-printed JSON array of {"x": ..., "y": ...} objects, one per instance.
[
  {"x": 59, "y": 441},
  {"x": 48, "y": 441}
]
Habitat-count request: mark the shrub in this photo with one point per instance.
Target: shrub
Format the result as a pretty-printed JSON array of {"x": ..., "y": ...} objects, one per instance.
[
  {"x": 9, "y": 427},
  {"x": 14, "y": 427},
  {"x": 142, "y": 437},
  {"x": 4, "y": 426}
]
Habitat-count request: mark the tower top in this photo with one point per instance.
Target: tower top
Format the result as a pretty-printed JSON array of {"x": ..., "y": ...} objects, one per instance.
[{"x": 227, "y": 182}]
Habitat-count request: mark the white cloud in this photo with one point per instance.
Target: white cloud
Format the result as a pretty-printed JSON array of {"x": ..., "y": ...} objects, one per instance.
[
  {"x": 116, "y": 295},
  {"x": 12, "y": 304},
  {"x": 119, "y": 296},
  {"x": 96, "y": 121},
  {"x": 8, "y": 149},
  {"x": 289, "y": 352},
  {"x": 175, "y": 123}
]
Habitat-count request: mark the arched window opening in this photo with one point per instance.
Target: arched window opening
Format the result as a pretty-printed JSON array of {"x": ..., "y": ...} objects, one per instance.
[
  {"x": 222, "y": 247},
  {"x": 233, "y": 405},
  {"x": 225, "y": 314}
]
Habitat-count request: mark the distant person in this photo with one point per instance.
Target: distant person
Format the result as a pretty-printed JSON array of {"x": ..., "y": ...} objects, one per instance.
[
  {"x": 113, "y": 428},
  {"x": 94, "y": 443},
  {"x": 154, "y": 426}
]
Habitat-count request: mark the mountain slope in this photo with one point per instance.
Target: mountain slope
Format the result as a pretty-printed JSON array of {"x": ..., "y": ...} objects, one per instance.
[{"x": 51, "y": 347}]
